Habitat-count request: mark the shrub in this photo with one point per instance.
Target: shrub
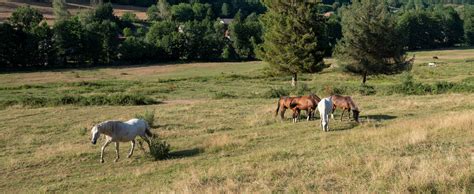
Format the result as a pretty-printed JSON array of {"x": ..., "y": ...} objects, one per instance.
[
  {"x": 276, "y": 92},
  {"x": 367, "y": 90},
  {"x": 301, "y": 89},
  {"x": 441, "y": 87},
  {"x": 148, "y": 116},
  {"x": 94, "y": 100},
  {"x": 332, "y": 90},
  {"x": 410, "y": 87},
  {"x": 221, "y": 95},
  {"x": 159, "y": 150}
]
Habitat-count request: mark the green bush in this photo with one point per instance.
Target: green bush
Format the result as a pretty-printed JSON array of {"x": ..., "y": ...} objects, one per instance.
[
  {"x": 333, "y": 90},
  {"x": 221, "y": 95},
  {"x": 441, "y": 87},
  {"x": 148, "y": 116},
  {"x": 410, "y": 87},
  {"x": 301, "y": 89},
  {"x": 94, "y": 100},
  {"x": 276, "y": 92},
  {"x": 367, "y": 90},
  {"x": 159, "y": 150}
]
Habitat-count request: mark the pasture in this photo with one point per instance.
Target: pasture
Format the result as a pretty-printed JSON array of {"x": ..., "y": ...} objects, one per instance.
[
  {"x": 219, "y": 120},
  {"x": 8, "y": 6}
]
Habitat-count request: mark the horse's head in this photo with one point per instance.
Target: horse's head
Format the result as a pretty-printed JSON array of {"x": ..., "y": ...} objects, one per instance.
[
  {"x": 355, "y": 115},
  {"x": 95, "y": 134}
]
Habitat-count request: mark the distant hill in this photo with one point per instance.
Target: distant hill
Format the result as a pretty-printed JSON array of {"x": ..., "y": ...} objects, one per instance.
[{"x": 8, "y": 6}]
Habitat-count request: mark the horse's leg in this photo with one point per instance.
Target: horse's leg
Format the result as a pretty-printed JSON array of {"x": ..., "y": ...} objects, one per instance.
[
  {"x": 332, "y": 113},
  {"x": 131, "y": 149},
  {"x": 342, "y": 114},
  {"x": 117, "y": 151},
  {"x": 141, "y": 145},
  {"x": 282, "y": 113},
  {"x": 102, "y": 150},
  {"x": 147, "y": 140},
  {"x": 294, "y": 116},
  {"x": 309, "y": 114},
  {"x": 349, "y": 115}
]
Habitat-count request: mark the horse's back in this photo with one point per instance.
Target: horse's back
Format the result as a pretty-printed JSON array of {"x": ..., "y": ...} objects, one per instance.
[{"x": 325, "y": 105}]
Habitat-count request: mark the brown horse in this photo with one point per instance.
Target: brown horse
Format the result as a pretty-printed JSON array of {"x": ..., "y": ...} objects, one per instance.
[
  {"x": 283, "y": 104},
  {"x": 345, "y": 103},
  {"x": 308, "y": 103}
]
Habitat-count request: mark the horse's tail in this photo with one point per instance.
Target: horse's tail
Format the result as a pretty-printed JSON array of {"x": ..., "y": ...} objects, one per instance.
[{"x": 278, "y": 107}]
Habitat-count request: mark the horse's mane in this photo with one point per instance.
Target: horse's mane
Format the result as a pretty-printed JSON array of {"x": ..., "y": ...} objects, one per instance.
[{"x": 108, "y": 126}]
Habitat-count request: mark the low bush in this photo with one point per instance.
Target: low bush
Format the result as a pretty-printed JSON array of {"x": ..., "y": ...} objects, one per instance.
[
  {"x": 93, "y": 100},
  {"x": 159, "y": 149},
  {"x": 410, "y": 87},
  {"x": 276, "y": 92},
  {"x": 221, "y": 95},
  {"x": 367, "y": 90}
]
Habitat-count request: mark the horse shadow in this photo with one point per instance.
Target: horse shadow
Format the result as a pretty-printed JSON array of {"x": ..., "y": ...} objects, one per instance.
[
  {"x": 185, "y": 153},
  {"x": 379, "y": 117},
  {"x": 167, "y": 126},
  {"x": 348, "y": 126}
]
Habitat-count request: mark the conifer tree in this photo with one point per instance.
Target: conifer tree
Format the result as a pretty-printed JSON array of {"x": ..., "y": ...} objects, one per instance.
[
  {"x": 371, "y": 43},
  {"x": 60, "y": 10},
  {"x": 294, "y": 37}
]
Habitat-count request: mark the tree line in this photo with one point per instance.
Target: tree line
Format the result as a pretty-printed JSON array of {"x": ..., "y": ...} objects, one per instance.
[{"x": 303, "y": 33}]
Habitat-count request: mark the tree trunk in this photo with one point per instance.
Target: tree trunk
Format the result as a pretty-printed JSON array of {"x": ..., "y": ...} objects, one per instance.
[
  {"x": 294, "y": 79},
  {"x": 364, "y": 78}
]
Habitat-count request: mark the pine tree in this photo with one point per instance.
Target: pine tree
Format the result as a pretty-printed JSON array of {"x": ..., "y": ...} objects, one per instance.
[
  {"x": 294, "y": 37},
  {"x": 371, "y": 43},
  {"x": 163, "y": 9},
  {"x": 225, "y": 10},
  {"x": 60, "y": 10},
  {"x": 469, "y": 24}
]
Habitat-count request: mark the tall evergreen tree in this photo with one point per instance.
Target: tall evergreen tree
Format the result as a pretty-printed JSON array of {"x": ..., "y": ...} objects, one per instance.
[
  {"x": 163, "y": 9},
  {"x": 294, "y": 38},
  {"x": 60, "y": 10},
  {"x": 469, "y": 24},
  {"x": 225, "y": 10},
  {"x": 371, "y": 43}
]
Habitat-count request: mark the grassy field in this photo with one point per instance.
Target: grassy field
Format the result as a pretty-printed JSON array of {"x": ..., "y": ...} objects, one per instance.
[
  {"x": 219, "y": 120},
  {"x": 8, "y": 6}
]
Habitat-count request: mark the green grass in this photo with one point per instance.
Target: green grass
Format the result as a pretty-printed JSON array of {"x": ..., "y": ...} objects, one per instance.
[{"x": 219, "y": 120}]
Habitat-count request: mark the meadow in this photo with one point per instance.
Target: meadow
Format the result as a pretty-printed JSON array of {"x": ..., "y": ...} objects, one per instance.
[{"x": 219, "y": 120}]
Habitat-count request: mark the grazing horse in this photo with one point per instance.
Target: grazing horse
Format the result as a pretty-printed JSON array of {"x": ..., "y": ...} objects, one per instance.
[
  {"x": 283, "y": 104},
  {"x": 345, "y": 103},
  {"x": 308, "y": 103},
  {"x": 118, "y": 131},
  {"x": 325, "y": 108}
]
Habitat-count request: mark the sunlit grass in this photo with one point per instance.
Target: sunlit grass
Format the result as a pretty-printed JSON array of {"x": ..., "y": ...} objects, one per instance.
[{"x": 421, "y": 143}]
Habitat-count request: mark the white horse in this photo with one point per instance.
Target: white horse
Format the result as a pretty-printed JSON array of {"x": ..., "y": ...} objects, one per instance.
[
  {"x": 325, "y": 108},
  {"x": 118, "y": 131}
]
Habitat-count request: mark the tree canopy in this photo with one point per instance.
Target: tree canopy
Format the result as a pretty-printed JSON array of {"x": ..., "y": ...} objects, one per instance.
[{"x": 371, "y": 42}]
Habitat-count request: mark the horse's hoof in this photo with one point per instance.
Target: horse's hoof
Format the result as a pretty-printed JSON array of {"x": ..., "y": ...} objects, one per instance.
[
  {"x": 101, "y": 161},
  {"x": 115, "y": 160}
]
